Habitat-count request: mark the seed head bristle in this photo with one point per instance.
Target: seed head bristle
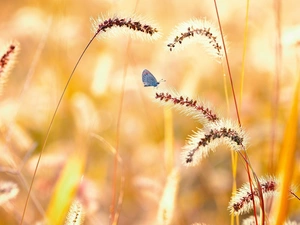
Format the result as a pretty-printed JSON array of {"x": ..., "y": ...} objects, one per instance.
[
  {"x": 201, "y": 31},
  {"x": 189, "y": 106},
  {"x": 134, "y": 26},
  {"x": 203, "y": 141},
  {"x": 7, "y": 60},
  {"x": 75, "y": 215},
  {"x": 270, "y": 221},
  {"x": 241, "y": 202}
]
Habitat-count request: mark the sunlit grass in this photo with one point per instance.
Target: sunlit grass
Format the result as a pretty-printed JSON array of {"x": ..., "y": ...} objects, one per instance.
[{"x": 77, "y": 162}]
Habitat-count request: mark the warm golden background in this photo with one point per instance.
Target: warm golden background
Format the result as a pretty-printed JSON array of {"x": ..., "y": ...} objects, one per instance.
[{"x": 53, "y": 34}]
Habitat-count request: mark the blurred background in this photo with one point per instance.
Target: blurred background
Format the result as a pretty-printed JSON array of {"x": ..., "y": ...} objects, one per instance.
[{"x": 53, "y": 34}]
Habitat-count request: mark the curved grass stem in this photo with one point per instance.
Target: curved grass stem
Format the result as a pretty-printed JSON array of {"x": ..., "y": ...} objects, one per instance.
[
  {"x": 248, "y": 165},
  {"x": 50, "y": 126}
]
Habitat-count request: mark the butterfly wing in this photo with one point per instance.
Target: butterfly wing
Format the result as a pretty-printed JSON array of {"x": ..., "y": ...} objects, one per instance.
[{"x": 148, "y": 79}]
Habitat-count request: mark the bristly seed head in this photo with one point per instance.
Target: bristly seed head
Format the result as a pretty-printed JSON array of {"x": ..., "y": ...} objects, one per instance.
[
  {"x": 211, "y": 136},
  {"x": 198, "y": 31},
  {"x": 7, "y": 61},
  {"x": 241, "y": 202},
  {"x": 75, "y": 215},
  {"x": 132, "y": 26},
  {"x": 200, "y": 144},
  {"x": 8, "y": 57},
  {"x": 215, "y": 130},
  {"x": 270, "y": 221},
  {"x": 190, "y": 106}
]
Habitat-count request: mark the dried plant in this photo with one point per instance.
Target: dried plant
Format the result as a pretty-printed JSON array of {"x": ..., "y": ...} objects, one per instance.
[
  {"x": 133, "y": 26},
  {"x": 8, "y": 58},
  {"x": 198, "y": 31},
  {"x": 75, "y": 215},
  {"x": 215, "y": 131},
  {"x": 99, "y": 26},
  {"x": 194, "y": 108},
  {"x": 202, "y": 142},
  {"x": 251, "y": 221},
  {"x": 241, "y": 202}
]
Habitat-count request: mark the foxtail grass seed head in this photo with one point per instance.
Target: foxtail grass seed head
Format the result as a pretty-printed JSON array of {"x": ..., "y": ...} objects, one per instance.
[
  {"x": 134, "y": 26},
  {"x": 251, "y": 221},
  {"x": 203, "y": 141},
  {"x": 8, "y": 58},
  {"x": 291, "y": 223},
  {"x": 216, "y": 131},
  {"x": 75, "y": 215},
  {"x": 241, "y": 202},
  {"x": 8, "y": 191},
  {"x": 197, "y": 31},
  {"x": 188, "y": 106}
]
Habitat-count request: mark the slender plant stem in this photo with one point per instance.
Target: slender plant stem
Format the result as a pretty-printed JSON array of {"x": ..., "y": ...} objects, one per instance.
[
  {"x": 276, "y": 84},
  {"x": 295, "y": 195},
  {"x": 122, "y": 183},
  {"x": 238, "y": 115},
  {"x": 114, "y": 216},
  {"x": 228, "y": 67},
  {"x": 114, "y": 184},
  {"x": 244, "y": 52},
  {"x": 51, "y": 124}
]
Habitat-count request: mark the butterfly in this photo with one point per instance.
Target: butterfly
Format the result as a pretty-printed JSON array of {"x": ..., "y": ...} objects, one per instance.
[{"x": 149, "y": 80}]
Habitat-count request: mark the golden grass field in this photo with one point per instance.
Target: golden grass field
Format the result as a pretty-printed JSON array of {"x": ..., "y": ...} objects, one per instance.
[{"x": 111, "y": 141}]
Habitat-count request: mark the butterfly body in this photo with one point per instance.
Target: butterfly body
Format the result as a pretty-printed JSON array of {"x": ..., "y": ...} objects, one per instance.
[{"x": 148, "y": 79}]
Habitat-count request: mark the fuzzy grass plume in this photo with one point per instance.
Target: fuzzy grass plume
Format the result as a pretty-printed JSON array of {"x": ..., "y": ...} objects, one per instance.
[
  {"x": 194, "y": 108},
  {"x": 8, "y": 58},
  {"x": 241, "y": 202},
  {"x": 215, "y": 130},
  {"x": 204, "y": 141},
  {"x": 133, "y": 26},
  {"x": 251, "y": 221},
  {"x": 198, "y": 31},
  {"x": 75, "y": 215}
]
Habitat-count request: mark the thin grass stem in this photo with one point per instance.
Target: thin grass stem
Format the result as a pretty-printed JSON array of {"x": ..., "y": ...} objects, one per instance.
[
  {"x": 244, "y": 53},
  {"x": 235, "y": 104},
  {"x": 50, "y": 126},
  {"x": 114, "y": 184},
  {"x": 276, "y": 84}
]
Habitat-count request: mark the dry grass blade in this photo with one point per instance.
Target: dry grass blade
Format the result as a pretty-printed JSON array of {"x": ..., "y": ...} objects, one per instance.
[
  {"x": 167, "y": 202},
  {"x": 287, "y": 161},
  {"x": 65, "y": 189}
]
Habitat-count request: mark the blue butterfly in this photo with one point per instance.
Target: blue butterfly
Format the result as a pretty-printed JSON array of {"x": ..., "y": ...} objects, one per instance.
[{"x": 149, "y": 80}]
